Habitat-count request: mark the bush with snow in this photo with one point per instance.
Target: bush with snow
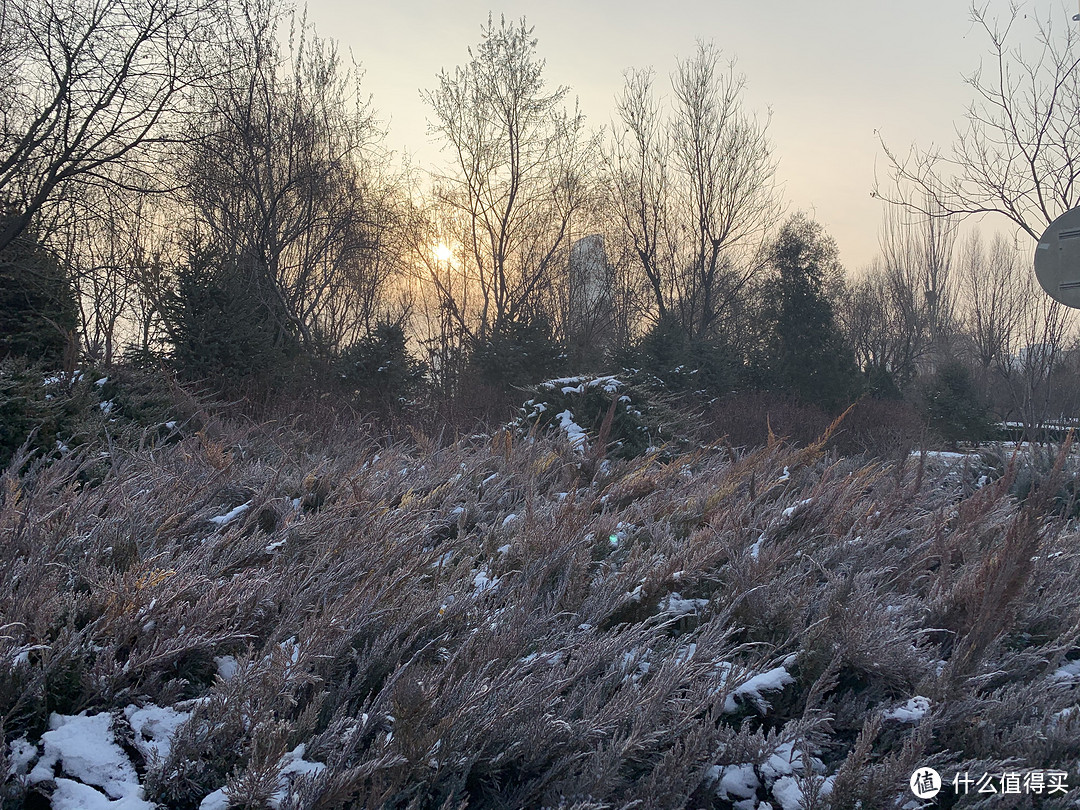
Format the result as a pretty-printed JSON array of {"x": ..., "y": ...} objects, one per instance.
[
  {"x": 616, "y": 409},
  {"x": 441, "y": 625}
]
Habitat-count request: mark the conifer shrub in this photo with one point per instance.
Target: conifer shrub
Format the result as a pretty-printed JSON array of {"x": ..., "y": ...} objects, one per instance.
[
  {"x": 683, "y": 364},
  {"x": 228, "y": 323},
  {"x": 474, "y": 624},
  {"x": 32, "y": 408},
  {"x": 55, "y": 414},
  {"x": 953, "y": 406},
  {"x": 378, "y": 371},
  {"x": 521, "y": 352},
  {"x": 38, "y": 310},
  {"x": 629, "y": 418}
]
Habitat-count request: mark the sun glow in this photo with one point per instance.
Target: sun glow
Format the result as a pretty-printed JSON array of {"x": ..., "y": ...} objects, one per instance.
[{"x": 442, "y": 252}]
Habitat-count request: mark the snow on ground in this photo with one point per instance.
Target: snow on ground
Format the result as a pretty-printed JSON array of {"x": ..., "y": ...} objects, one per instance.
[
  {"x": 154, "y": 729},
  {"x": 791, "y": 510},
  {"x": 674, "y": 604},
  {"x": 735, "y": 782},
  {"x": 83, "y": 748},
  {"x": 21, "y": 754},
  {"x": 226, "y": 666},
  {"x": 783, "y": 774},
  {"x": 484, "y": 581},
  {"x": 939, "y": 455},
  {"x": 218, "y": 800},
  {"x": 293, "y": 768},
  {"x": 755, "y": 550},
  {"x": 1068, "y": 674},
  {"x": 72, "y": 795}
]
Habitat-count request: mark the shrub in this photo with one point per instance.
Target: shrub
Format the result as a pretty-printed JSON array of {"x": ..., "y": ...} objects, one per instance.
[
  {"x": 227, "y": 323},
  {"x": 953, "y": 406},
  {"x": 520, "y": 352},
  {"x": 38, "y": 310},
  {"x": 448, "y": 626},
  {"x": 378, "y": 371},
  {"x": 626, "y": 416},
  {"x": 58, "y": 413},
  {"x": 684, "y": 364},
  {"x": 803, "y": 353}
]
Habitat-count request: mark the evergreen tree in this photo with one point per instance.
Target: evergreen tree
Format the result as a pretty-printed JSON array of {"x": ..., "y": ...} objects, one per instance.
[
  {"x": 803, "y": 350},
  {"x": 521, "y": 351},
  {"x": 226, "y": 322},
  {"x": 954, "y": 407},
  {"x": 687, "y": 364},
  {"x": 379, "y": 370},
  {"x": 38, "y": 309}
]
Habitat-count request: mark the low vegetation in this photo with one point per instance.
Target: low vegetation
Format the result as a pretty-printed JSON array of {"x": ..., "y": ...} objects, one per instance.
[{"x": 257, "y": 615}]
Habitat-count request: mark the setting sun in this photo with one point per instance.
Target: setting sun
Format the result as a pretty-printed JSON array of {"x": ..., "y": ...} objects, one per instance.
[{"x": 442, "y": 252}]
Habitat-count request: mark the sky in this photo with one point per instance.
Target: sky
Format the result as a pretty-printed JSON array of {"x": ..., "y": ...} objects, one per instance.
[{"x": 835, "y": 75}]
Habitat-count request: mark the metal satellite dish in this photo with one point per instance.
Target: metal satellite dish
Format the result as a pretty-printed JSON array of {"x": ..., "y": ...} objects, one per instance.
[{"x": 1057, "y": 259}]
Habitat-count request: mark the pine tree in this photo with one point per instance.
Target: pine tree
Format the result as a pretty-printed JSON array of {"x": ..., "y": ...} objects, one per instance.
[
  {"x": 38, "y": 309},
  {"x": 804, "y": 353},
  {"x": 953, "y": 406},
  {"x": 227, "y": 322}
]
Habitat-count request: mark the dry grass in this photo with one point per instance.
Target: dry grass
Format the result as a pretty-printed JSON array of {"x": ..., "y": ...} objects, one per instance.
[{"x": 434, "y": 652}]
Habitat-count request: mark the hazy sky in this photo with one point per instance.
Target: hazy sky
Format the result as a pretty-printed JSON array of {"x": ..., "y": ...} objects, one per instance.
[{"x": 831, "y": 72}]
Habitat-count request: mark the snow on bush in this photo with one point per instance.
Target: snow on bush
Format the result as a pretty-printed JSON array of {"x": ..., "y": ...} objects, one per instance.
[
  {"x": 576, "y": 407},
  {"x": 614, "y": 641}
]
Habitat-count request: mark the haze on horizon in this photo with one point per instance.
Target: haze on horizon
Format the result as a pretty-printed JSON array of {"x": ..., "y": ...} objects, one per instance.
[{"x": 833, "y": 76}]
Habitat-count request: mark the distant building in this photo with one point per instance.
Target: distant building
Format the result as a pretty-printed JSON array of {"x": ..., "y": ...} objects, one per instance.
[{"x": 590, "y": 316}]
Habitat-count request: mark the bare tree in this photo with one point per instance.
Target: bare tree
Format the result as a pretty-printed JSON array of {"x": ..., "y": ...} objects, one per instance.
[
  {"x": 994, "y": 302},
  {"x": 728, "y": 188},
  {"x": 1019, "y": 337},
  {"x": 866, "y": 319},
  {"x": 90, "y": 84},
  {"x": 519, "y": 163},
  {"x": 1018, "y": 155},
  {"x": 284, "y": 177},
  {"x": 918, "y": 252},
  {"x": 1038, "y": 396},
  {"x": 693, "y": 188},
  {"x": 638, "y": 181}
]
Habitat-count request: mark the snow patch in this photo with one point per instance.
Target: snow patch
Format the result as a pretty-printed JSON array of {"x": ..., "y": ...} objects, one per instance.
[
  {"x": 910, "y": 712},
  {"x": 483, "y": 582},
  {"x": 735, "y": 781},
  {"x": 674, "y": 604},
  {"x": 227, "y": 666},
  {"x": 231, "y": 515},
  {"x": 154, "y": 729},
  {"x": 574, "y": 432},
  {"x": 791, "y": 510},
  {"x": 84, "y": 748},
  {"x": 772, "y": 681},
  {"x": 1068, "y": 674},
  {"x": 293, "y": 767},
  {"x": 218, "y": 800},
  {"x": 21, "y": 754}
]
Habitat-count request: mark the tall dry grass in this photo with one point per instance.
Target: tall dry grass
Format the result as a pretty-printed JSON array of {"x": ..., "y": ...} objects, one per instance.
[{"x": 494, "y": 623}]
